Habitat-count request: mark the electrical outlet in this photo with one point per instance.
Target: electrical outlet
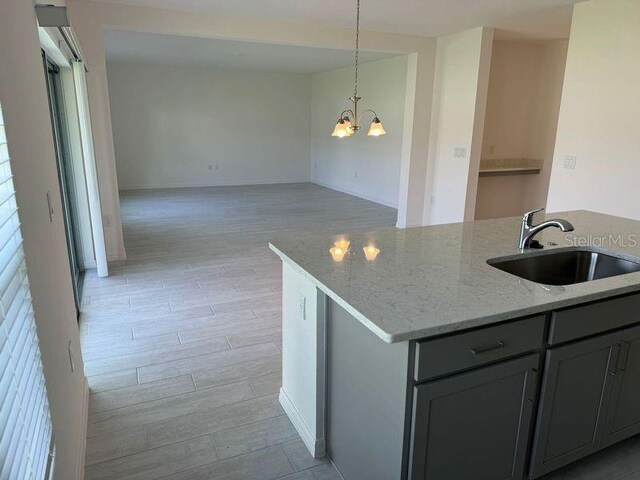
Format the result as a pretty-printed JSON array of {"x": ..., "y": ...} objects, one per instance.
[
  {"x": 302, "y": 306},
  {"x": 107, "y": 220},
  {"x": 459, "y": 152},
  {"x": 210, "y": 166},
  {"x": 570, "y": 162}
]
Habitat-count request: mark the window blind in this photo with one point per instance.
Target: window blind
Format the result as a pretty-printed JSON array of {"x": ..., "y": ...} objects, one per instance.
[{"x": 26, "y": 436}]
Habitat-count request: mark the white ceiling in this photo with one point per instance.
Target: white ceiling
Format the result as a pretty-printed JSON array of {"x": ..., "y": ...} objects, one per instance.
[
  {"x": 528, "y": 18},
  {"x": 211, "y": 53}
]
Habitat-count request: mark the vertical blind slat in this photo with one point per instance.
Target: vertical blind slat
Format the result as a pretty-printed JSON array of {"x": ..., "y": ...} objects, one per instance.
[{"x": 25, "y": 425}]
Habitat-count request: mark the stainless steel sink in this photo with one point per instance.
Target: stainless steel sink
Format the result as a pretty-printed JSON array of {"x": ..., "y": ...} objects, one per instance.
[{"x": 565, "y": 267}]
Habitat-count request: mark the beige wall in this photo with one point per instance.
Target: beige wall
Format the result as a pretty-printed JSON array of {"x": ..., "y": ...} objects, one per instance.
[
  {"x": 91, "y": 18},
  {"x": 28, "y": 124},
  {"x": 172, "y": 123},
  {"x": 600, "y": 112},
  {"x": 525, "y": 86},
  {"x": 368, "y": 167},
  {"x": 414, "y": 164},
  {"x": 459, "y": 99}
]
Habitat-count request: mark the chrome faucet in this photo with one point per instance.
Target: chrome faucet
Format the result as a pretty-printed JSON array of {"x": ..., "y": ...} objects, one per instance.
[{"x": 528, "y": 230}]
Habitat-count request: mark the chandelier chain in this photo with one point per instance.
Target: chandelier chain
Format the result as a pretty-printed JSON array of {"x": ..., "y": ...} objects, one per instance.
[{"x": 355, "y": 86}]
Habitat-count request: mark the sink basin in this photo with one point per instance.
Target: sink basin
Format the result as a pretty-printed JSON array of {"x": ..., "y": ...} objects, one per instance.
[{"x": 565, "y": 267}]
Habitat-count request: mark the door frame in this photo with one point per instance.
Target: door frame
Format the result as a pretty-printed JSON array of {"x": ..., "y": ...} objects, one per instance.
[{"x": 57, "y": 112}]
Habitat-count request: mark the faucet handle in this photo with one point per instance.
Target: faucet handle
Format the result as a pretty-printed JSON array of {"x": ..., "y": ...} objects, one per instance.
[{"x": 527, "y": 218}]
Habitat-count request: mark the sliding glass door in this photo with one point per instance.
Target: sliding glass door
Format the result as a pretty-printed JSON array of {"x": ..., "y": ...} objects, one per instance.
[{"x": 65, "y": 175}]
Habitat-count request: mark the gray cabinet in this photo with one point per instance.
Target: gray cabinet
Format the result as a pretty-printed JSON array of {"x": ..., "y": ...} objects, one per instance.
[
  {"x": 472, "y": 404},
  {"x": 366, "y": 400},
  {"x": 577, "y": 385},
  {"x": 474, "y": 425},
  {"x": 623, "y": 417}
]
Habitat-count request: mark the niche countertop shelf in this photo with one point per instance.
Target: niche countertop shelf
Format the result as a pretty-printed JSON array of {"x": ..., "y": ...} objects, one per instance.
[
  {"x": 509, "y": 166},
  {"x": 495, "y": 172}
]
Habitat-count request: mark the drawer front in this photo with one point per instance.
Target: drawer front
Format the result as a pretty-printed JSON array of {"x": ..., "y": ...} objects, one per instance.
[
  {"x": 583, "y": 321},
  {"x": 467, "y": 350}
]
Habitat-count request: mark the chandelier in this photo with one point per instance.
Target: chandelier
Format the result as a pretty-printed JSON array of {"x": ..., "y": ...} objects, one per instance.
[{"x": 349, "y": 120}]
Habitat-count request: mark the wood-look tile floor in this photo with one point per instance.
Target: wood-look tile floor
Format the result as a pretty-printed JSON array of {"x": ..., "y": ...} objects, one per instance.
[{"x": 181, "y": 342}]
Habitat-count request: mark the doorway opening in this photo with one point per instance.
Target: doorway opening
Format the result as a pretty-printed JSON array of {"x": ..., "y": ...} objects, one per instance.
[{"x": 521, "y": 120}]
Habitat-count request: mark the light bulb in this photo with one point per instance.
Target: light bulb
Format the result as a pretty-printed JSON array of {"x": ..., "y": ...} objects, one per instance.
[
  {"x": 376, "y": 128},
  {"x": 337, "y": 254},
  {"x": 342, "y": 244},
  {"x": 340, "y": 131},
  {"x": 347, "y": 126},
  {"x": 371, "y": 252}
]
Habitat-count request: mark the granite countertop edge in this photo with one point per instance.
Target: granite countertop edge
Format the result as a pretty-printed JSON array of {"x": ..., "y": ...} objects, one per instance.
[{"x": 425, "y": 333}]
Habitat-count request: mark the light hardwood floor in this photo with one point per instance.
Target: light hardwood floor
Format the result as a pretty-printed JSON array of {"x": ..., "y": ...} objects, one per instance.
[{"x": 182, "y": 342}]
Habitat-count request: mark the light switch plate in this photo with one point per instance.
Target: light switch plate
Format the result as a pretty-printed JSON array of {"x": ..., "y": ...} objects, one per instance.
[
  {"x": 570, "y": 162},
  {"x": 459, "y": 152}
]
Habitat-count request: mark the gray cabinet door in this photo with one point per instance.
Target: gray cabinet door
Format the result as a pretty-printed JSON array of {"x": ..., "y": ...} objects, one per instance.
[
  {"x": 576, "y": 389},
  {"x": 474, "y": 425},
  {"x": 623, "y": 417}
]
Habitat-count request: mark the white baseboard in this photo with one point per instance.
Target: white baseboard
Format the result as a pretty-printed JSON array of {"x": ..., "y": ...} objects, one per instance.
[
  {"x": 316, "y": 446},
  {"x": 117, "y": 256},
  {"x": 357, "y": 194},
  {"x": 90, "y": 264},
  {"x": 82, "y": 453},
  {"x": 160, "y": 186},
  {"x": 409, "y": 225}
]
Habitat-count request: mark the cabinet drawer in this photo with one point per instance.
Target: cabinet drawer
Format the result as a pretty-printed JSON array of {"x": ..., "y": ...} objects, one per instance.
[
  {"x": 467, "y": 350},
  {"x": 572, "y": 323}
]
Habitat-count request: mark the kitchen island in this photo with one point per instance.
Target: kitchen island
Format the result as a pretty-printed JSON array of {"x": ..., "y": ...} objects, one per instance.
[{"x": 417, "y": 359}]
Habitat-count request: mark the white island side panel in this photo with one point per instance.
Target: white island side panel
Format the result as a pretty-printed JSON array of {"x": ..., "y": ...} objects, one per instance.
[{"x": 303, "y": 358}]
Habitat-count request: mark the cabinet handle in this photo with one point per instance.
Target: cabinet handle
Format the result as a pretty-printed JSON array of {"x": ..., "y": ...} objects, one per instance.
[
  {"x": 624, "y": 356},
  {"x": 614, "y": 359},
  {"x": 487, "y": 348}
]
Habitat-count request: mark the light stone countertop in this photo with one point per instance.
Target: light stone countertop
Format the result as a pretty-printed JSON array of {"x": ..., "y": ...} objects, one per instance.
[{"x": 429, "y": 281}]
